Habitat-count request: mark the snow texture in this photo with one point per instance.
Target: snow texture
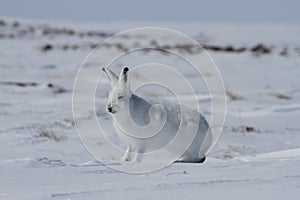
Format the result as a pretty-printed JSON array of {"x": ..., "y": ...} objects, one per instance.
[{"x": 41, "y": 156}]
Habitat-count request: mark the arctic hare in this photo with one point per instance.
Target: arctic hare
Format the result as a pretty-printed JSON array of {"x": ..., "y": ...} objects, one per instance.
[{"x": 124, "y": 106}]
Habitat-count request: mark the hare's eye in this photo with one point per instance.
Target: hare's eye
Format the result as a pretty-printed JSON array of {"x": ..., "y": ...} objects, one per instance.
[{"x": 120, "y": 97}]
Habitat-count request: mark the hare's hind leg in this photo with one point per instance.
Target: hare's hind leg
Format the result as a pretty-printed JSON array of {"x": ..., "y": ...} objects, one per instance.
[
  {"x": 195, "y": 160},
  {"x": 201, "y": 160},
  {"x": 128, "y": 154},
  {"x": 188, "y": 158}
]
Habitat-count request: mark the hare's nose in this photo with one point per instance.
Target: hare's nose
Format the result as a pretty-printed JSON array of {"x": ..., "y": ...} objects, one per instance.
[{"x": 109, "y": 108}]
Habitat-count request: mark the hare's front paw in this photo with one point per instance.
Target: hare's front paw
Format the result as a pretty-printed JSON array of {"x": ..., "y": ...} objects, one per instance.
[
  {"x": 127, "y": 155},
  {"x": 126, "y": 158}
]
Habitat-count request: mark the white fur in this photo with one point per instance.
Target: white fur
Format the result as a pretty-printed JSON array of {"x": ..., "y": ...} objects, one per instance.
[{"x": 126, "y": 107}]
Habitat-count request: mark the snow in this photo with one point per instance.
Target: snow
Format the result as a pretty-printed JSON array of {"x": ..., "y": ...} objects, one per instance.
[{"x": 42, "y": 157}]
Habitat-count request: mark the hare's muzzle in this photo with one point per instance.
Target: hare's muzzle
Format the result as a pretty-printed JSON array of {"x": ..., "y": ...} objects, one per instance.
[{"x": 110, "y": 109}]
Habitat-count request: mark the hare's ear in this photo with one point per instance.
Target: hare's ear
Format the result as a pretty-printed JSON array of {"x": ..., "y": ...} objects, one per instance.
[
  {"x": 113, "y": 78},
  {"x": 123, "y": 80}
]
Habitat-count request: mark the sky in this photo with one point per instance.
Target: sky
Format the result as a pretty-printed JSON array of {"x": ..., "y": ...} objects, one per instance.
[{"x": 155, "y": 10}]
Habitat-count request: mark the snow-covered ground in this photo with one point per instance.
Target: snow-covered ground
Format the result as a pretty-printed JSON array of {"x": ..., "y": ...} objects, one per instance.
[{"x": 42, "y": 157}]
